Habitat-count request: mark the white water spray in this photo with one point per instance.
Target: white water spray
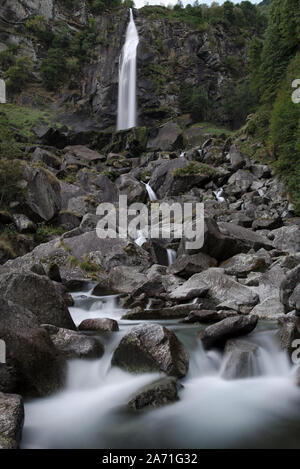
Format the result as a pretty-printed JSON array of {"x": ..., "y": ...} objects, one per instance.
[
  {"x": 127, "y": 79},
  {"x": 151, "y": 193},
  {"x": 171, "y": 256}
]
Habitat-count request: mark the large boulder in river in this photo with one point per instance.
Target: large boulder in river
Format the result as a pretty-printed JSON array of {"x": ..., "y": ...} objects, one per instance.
[
  {"x": 239, "y": 360},
  {"x": 151, "y": 347},
  {"x": 40, "y": 295},
  {"x": 72, "y": 344},
  {"x": 289, "y": 331},
  {"x": 162, "y": 392},
  {"x": 33, "y": 366},
  {"x": 287, "y": 288},
  {"x": 99, "y": 325},
  {"x": 220, "y": 287},
  {"x": 42, "y": 193},
  {"x": 217, "y": 334},
  {"x": 11, "y": 420}
]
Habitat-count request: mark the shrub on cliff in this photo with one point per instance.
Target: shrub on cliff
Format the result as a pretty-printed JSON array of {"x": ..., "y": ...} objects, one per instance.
[{"x": 18, "y": 75}]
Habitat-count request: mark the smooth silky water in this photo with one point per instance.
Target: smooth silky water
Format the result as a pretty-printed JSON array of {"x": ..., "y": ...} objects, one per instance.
[
  {"x": 90, "y": 412},
  {"x": 127, "y": 105}
]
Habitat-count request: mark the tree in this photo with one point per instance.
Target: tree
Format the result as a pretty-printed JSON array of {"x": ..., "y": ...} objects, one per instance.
[{"x": 18, "y": 75}]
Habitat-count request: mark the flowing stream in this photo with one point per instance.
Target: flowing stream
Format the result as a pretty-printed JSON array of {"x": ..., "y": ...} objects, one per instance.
[
  {"x": 91, "y": 412},
  {"x": 127, "y": 107}
]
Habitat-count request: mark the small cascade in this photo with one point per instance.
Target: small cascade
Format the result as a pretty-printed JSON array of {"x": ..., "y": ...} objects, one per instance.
[
  {"x": 127, "y": 107},
  {"x": 140, "y": 240},
  {"x": 219, "y": 196},
  {"x": 90, "y": 412},
  {"x": 151, "y": 193},
  {"x": 171, "y": 256}
]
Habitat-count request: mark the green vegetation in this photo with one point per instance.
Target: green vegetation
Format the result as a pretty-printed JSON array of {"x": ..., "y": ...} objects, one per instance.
[
  {"x": 194, "y": 101},
  {"x": 7, "y": 57},
  {"x": 20, "y": 119},
  {"x": 46, "y": 232},
  {"x": 10, "y": 172},
  {"x": 18, "y": 75},
  {"x": 194, "y": 169},
  {"x": 274, "y": 65},
  {"x": 99, "y": 6},
  {"x": 200, "y": 16},
  {"x": 86, "y": 265}
]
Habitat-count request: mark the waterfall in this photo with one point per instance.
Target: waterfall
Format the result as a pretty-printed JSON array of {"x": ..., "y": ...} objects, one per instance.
[
  {"x": 171, "y": 256},
  {"x": 127, "y": 79},
  {"x": 151, "y": 193}
]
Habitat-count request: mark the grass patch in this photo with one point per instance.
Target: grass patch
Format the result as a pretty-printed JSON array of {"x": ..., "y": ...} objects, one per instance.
[
  {"x": 194, "y": 169},
  {"x": 44, "y": 232},
  {"x": 21, "y": 119}
]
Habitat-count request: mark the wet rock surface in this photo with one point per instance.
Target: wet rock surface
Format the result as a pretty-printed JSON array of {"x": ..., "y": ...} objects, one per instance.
[
  {"x": 151, "y": 347},
  {"x": 229, "y": 328}
]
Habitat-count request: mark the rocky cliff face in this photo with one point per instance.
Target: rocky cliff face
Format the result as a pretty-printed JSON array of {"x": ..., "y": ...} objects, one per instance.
[{"x": 172, "y": 56}]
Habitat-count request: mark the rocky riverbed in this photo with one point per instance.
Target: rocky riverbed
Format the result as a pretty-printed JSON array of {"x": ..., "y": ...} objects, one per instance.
[{"x": 246, "y": 273}]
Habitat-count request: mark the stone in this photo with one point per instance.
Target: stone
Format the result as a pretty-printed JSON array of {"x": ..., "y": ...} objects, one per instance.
[
  {"x": 172, "y": 312},
  {"x": 187, "y": 265},
  {"x": 168, "y": 137},
  {"x": 289, "y": 331},
  {"x": 267, "y": 223},
  {"x": 132, "y": 188},
  {"x": 294, "y": 300},
  {"x": 83, "y": 153},
  {"x": 287, "y": 238},
  {"x": 241, "y": 265},
  {"x": 23, "y": 224},
  {"x": 40, "y": 155},
  {"x": 219, "y": 287},
  {"x": 42, "y": 193},
  {"x": 236, "y": 158},
  {"x": 151, "y": 347},
  {"x": 242, "y": 180},
  {"x": 288, "y": 285},
  {"x": 125, "y": 279},
  {"x": 229, "y": 328},
  {"x": 38, "y": 294},
  {"x": 54, "y": 273},
  {"x": 11, "y": 420},
  {"x": 160, "y": 393},
  {"x": 101, "y": 324},
  {"x": 72, "y": 344},
  {"x": 244, "y": 238},
  {"x": 207, "y": 316},
  {"x": 270, "y": 308},
  {"x": 33, "y": 366},
  {"x": 240, "y": 357}
]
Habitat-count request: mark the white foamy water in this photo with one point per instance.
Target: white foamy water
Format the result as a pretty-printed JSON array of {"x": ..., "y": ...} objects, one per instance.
[
  {"x": 91, "y": 412},
  {"x": 151, "y": 193},
  {"x": 127, "y": 106}
]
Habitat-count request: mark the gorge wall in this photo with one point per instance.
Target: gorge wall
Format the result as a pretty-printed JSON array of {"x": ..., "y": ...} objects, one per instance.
[{"x": 173, "y": 57}]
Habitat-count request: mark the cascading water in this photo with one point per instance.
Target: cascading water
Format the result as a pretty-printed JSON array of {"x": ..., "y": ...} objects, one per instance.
[
  {"x": 151, "y": 193},
  {"x": 171, "y": 256},
  {"x": 127, "y": 106},
  {"x": 261, "y": 411}
]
